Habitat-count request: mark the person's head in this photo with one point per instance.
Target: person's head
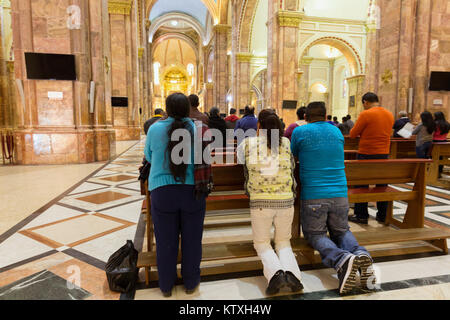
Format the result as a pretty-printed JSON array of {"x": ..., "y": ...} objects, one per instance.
[
  {"x": 159, "y": 112},
  {"x": 403, "y": 114},
  {"x": 214, "y": 112},
  {"x": 428, "y": 121},
  {"x": 329, "y": 118},
  {"x": 335, "y": 119},
  {"x": 370, "y": 100},
  {"x": 249, "y": 111},
  {"x": 441, "y": 122},
  {"x": 349, "y": 117},
  {"x": 178, "y": 107},
  {"x": 232, "y": 111},
  {"x": 301, "y": 113},
  {"x": 316, "y": 111},
  {"x": 194, "y": 101},
  {"x": 344, "y": 119},
  {"x": 271, "y": 123}
]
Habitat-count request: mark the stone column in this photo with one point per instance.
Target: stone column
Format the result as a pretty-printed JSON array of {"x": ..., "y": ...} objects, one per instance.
[
  {"x": 208, "y": 96},
  {"x": 221, "y": 66},
  {"x": 283, "y": 22},
  {"x": 124, "y": 42},
  {"x": 304, "y": 83},
  {"x": 242, "y": 97},
  {"x": 356, "y": 89}
]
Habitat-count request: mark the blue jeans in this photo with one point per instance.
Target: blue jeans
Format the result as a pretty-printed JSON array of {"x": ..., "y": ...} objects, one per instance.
[
  {"x": 322, "y": 215},
  {"x": 362, "y": 209},
  {"x": 176, "y": 211},
  {"x": 422, "y": 151}
]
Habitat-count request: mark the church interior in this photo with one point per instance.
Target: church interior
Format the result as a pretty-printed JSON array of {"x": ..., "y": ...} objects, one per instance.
[{"x": 79, "y": 78}]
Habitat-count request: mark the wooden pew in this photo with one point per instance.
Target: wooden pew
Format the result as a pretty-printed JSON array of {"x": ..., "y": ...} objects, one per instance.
[
  {"x": 439, "y": 149},
  {"x": 400, "y": 148},
  {"x": 367, "y": 172}
]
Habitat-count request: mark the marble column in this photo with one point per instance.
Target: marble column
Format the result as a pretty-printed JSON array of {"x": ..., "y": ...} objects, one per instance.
[
  {"x": 221, "y": 66},
  {"x": 282, "y": 58},
  {"x": 123, "y": 67},
  {"x": 61, "y": 131}
]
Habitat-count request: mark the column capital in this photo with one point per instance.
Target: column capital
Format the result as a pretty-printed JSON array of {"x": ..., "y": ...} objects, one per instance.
[
  {"x": 209, "y": 85},
  {"x": 355, "y": 79},
  {"x": 306, "y": 60},
  {"x": 289, "y": 18},
  {"x": 119, "y": 7},
  {"x": 221, "y": 28},
  {"x": 244, "y": 56},
  {"x": 371, "y": 27}
]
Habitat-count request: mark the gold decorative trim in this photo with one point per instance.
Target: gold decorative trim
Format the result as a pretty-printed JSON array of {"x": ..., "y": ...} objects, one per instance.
[
  {"x": 307, "y": 60},
  {"x": 140, "y": 52},
  {"x": 290, "y": 18},
  {"x": 10, "y": 66},
  {"x": 221, "y": 28},
  {"x": 209, "y": 85},
  {"x": 119, "y": 7},
  {"x": 371, "y": 27},
  {"x": 387, "y": 76},
  {"x": 148, "y": 23},
  {"x": 244, "y": 56}
]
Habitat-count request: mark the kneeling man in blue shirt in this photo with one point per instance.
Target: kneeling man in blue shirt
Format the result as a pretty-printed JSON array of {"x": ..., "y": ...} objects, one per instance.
[{"x": 319, "y": 147}]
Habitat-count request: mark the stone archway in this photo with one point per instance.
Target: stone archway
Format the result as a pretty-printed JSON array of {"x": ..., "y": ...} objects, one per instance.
[{"x": 343, "y": 45}]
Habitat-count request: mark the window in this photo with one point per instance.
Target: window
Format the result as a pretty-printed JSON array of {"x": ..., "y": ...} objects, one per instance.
[
  {"x": 156, "y": 67},
  {"x": 190, "y": 69},
  {"x": 344, "y": 83}
]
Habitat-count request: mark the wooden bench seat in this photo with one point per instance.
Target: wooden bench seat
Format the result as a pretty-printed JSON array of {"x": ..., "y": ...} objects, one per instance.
[
  {"x": 212, "y": 252},
  {"x": 379, "y": 194}
]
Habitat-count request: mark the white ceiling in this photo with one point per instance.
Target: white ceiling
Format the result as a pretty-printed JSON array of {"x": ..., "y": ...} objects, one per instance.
[
  {"x": 341, "y": 9},
  {"x": 194, "y": 8},
  {"x": 322, "y": 51}
]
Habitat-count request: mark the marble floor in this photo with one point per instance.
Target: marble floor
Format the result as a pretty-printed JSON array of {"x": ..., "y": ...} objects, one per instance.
[{"x": 58, "y": 249}]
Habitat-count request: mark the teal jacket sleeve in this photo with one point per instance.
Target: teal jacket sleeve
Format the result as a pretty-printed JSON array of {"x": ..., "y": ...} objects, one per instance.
[
  {"x": 295, "y": 142},
  {"x": 148, "y": 147}
]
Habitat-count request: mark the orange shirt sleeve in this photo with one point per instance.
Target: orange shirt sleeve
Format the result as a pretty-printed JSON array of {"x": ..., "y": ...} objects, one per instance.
[{"x": 359, "y": 126}]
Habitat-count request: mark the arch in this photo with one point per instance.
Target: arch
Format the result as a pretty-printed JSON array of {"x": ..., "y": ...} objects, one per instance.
[
  {"x": 209, "y": 4},
  {"x": 176, "y": 16},
  {"x": 258, "y": 72},
  {"x": 346, "y": 46},
  {"x": 246, "y": 19},
  {"x": 179, "y": 36},
  {"x": 316, "y": 82}
]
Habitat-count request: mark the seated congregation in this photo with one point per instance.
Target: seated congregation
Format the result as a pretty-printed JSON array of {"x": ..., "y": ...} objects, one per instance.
[{"x": 298, "y": 178}]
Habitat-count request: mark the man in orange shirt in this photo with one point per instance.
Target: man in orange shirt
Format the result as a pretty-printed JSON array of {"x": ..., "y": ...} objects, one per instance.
[{"x": 374, "y": 126}]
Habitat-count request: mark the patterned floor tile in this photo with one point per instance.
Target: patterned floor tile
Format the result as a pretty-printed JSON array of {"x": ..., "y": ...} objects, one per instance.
[{"x": 75, "y": 231}]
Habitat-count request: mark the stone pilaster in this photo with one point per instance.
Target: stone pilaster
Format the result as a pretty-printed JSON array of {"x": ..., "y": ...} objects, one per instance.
[
  {"x": 221, "y": 66},
  {"x": 283, "y": 22},
  {"x": 124, "y": 66},
  {"x": 61, "y": 131},
  {"x": 356, "y": 89}
]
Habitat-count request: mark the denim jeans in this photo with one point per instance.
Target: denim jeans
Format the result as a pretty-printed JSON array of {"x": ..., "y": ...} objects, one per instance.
[
  {"x": 423, "y": 150},
  {"x": 322, "y": 215},
  {"x": 362, "y": 209}
]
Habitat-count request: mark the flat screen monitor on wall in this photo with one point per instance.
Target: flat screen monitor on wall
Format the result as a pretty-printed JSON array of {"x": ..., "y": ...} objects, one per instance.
[
  {"x": 119, "y": 101},
  {"x": 46, "y": 66},
  {"x": 290, "y": 104},
  {"x": 439, "y": 81}
]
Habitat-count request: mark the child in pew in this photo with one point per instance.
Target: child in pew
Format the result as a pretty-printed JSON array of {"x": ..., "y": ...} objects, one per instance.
[
  {"x": 441, "y": 133},
  {"x": 424, "y": 135},
  {"x": 320, "y": 150},
  {"x": 270, "y": 185}
]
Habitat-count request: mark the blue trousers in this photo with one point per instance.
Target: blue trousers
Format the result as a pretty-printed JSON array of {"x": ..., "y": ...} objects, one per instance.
[
  {"x": 322, "y": 215},
  {"x": 362, "y": 209},
  {"x": 175, "y": 212},
  {"x": 423, "y": 150}
]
